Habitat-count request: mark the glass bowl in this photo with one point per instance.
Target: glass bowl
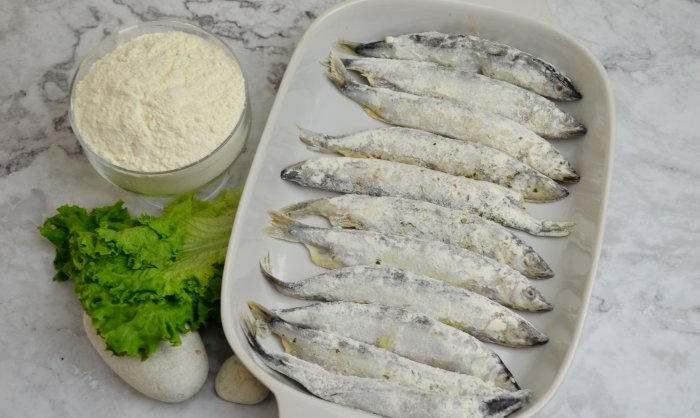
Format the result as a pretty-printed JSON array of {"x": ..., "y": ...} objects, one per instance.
[{"x": 209, "y": 172}]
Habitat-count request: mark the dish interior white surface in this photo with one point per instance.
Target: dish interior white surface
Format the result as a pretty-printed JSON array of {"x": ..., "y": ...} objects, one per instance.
[{"x": 306, "y": 98}]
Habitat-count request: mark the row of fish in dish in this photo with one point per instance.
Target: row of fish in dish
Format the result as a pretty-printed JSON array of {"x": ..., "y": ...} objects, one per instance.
[
  {"x": 421, "y": 268},
  {"x": 452, "y": 119},
  {"x": 330, "y": 348}
]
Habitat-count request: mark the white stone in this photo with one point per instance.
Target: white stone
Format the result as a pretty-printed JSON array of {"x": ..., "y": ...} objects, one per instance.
[
  {"x": 171, "y": 374},
  {"x": 235, "y": 383}
]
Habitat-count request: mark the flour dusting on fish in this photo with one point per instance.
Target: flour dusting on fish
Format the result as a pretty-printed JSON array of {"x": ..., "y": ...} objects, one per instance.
[
  {"x": 334, "y": 247},
  {"x": 388, "y": 178},
  {"x": 449, "y": 118},
  {"x": 409, "y": 334},
  {"x": 346, "y": 356},
  {"x": 424, "y": 220},
  {"x": 472, "y": 53},
  {"x": 476, "y": 91},
  {"x": 379, "y": 396},
  {"x": 452, "y": 156},
  {"x": 460, "y": 308}
]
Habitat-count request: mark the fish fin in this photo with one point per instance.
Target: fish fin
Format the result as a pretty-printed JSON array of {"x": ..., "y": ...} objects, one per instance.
[
  {"x": 378, "y": 82},
  {"x": 312, "y": 140},
  {"x": 287, "y": 345},
  {"x": 335, "y": 70},
  {"x": 345, "y": 45},
  {"x": 373, "y": 113},
  {"x": 322, "y": 258},
  {"x": 280, "y": 226},
  {"x": 303, "y": 209},
  {"x": 345, "y": 221},
  {"x": 266, "y": 267}
]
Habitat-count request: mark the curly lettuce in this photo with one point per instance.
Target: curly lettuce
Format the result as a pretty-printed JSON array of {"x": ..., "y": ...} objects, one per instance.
[{"x": 145, "y": 279}]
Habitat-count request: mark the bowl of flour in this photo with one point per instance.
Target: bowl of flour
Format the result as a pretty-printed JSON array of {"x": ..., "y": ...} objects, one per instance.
[{"x": 161, "y": 108}]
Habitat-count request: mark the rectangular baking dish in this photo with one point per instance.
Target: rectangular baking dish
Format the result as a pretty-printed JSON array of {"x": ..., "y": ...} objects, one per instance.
[{"x": 306, "y": 98}]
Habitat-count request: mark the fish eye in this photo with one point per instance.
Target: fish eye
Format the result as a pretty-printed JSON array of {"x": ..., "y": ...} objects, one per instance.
[{"x": 530, "y": 293}]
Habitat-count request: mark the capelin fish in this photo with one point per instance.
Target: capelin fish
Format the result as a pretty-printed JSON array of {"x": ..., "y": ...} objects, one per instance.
[
  {"x": 452, "y": 156},
  {"x": 387, "y": 178},
  {"x": 454, "y": 306},
  {"x": 409, "y": 334},
  {"x": 449, "y": 118},
  {"x": 471, "y": 53},
  {"x": 395, "y": 215},
  {"x": 478, "y": 92},
  {"x": 335, "y": 247},
  {"x": 349, "y": 357},
  {"x": 379, "y": 396}
]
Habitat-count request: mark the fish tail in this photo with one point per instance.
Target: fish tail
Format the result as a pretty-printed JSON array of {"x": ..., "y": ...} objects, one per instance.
[
  {"x": 250, "y": 331},
  {"x": 260, "y": 312},
  {"x": 313, "y": 140},
  {"x": 266, "y": 267},
  {"x": 336, "y": 71},
  {"x": 281, "y": 226},
  {"x": 503, "y": 405}
]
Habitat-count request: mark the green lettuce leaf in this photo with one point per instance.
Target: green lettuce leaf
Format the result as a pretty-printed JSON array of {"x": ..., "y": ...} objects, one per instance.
[{"x": 147, "y": 279}]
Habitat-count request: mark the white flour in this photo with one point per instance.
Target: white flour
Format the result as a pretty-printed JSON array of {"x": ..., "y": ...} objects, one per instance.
[{"x": 159, "y": 102}]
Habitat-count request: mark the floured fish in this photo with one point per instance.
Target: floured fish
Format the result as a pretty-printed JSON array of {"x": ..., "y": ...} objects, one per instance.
[
  {"x": 478, "y": 92},
  {"x": 336, "y": 247},
  {"x": 409, "y": 334},
  {"x": 346, "y": 356},
  {"x": 449, "y": 118},
  {"x": 387, "y": 178},
  {"x": 395, "y": 215},
  {"x": 471, "y": 53},
  {"x": 377, "y": 395},
  {"x": 452, "y": 156},
  {"x": 460, "y": 308}
]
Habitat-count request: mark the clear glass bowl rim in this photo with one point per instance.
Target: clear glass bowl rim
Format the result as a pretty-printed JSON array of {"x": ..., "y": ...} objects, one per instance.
[{"x": 171, "y": 24}]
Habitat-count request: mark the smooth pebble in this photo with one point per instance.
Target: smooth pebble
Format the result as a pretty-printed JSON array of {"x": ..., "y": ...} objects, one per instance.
[
  {"x": 234, "y": 383},
  {"x": 171, "y": 374}
]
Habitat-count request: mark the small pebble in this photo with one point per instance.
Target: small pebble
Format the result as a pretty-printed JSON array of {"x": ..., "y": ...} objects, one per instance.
[
  {"x": 171, "y": 374},
  {"x": 234, "y": 383}
]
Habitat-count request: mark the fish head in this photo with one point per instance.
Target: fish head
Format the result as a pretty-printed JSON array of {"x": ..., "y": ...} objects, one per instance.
[
  {"x": 293, "y": 172},
  {"x": 529, "y": 298},
  {"x": 505, "y": 380},
  {"x": 535, "y": 266},
  {"x": 546, "y": 159},
  {"x": 558, "y": 86}
]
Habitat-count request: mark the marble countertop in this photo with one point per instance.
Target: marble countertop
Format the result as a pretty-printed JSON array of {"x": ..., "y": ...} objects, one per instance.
[{"x": 638, "y": 353}]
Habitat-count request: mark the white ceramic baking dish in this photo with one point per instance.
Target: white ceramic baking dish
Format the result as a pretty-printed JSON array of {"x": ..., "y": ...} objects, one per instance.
[{"x": 308, "y": 99}]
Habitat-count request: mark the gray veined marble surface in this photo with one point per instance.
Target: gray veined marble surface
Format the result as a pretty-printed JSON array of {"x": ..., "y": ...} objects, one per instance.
[{"x": 638, "y": 353}]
